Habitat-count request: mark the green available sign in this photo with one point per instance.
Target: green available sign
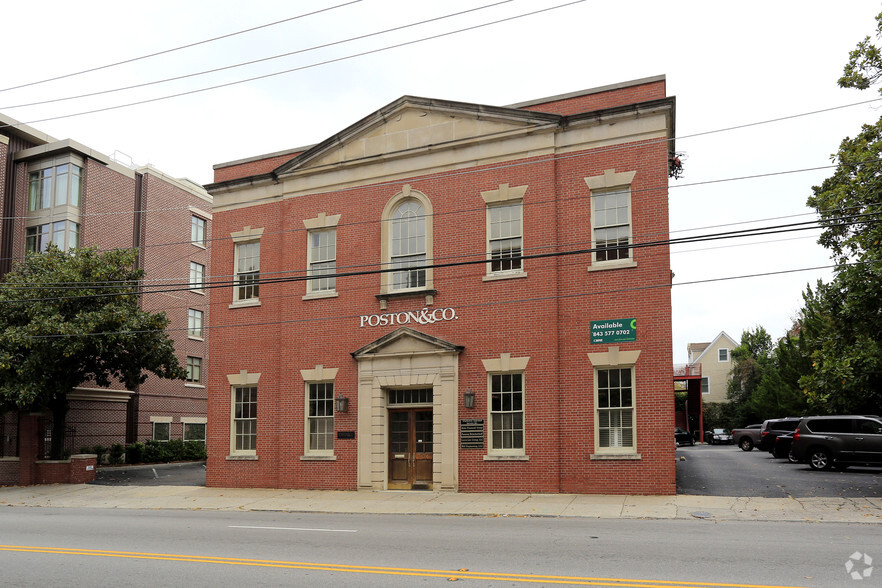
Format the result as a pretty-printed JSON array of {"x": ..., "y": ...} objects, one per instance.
[{"x": 614, "y": 331}]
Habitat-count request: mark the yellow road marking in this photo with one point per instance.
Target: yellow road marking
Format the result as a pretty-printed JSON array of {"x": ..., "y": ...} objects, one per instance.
[{"x": 416, "y": 572}]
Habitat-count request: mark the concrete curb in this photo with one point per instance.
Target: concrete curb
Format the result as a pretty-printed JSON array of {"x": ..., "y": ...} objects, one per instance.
[{"x": 713, "y": 508}]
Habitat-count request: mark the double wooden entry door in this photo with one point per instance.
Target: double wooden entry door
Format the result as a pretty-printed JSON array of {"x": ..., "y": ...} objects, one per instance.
[{"x": 410, "y": 448}]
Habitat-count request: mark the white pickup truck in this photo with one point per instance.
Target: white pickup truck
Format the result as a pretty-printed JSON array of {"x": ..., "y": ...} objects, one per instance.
[{"x": 748, "y": 437}]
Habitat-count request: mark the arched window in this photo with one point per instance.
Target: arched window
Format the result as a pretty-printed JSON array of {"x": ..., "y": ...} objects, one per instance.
[{"x": 407, "y": 239}]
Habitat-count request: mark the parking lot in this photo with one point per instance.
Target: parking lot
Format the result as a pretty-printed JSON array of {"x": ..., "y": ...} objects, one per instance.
[{"x": 725, "y": 470}]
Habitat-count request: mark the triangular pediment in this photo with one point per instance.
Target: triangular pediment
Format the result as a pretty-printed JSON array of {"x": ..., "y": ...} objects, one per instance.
[
  {"x": 411, "y": 125},
  {"x": 406, "y": 341}
]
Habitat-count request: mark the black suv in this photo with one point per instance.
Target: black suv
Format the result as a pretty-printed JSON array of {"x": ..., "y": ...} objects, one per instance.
[
  {"x": 774, "y": 427},
  {"x": 838, "y": 441}
]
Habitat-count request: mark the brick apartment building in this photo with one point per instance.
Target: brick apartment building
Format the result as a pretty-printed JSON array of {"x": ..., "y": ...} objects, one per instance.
[
  {"x": 62, "y": 192},
  {"x": 450, "y": 296}
]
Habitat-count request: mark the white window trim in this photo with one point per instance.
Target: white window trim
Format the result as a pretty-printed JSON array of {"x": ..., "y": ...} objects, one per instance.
[
  {"x": 201, "y": 325},
  {"x": 726, "y": 349},
  {"x": 505, "y": 364},
  {"x": 240, "y": 380},
  {"x": 201, "y": 288},
  {"x": 615, "y": 359},
  {"x": 200, "y": 216},
  {"x": 321, "y": 222},
  {"x": 193, "y": 421},
  {"x": 162, "y": 420},
  {"x": 612, "y": 181},
  {"x": 246, "y": 235},
  {"x": 703, "y": 380},
  {"x": 318, "y": 375},
  {"x": 387, "y": 278},
  {"x": 503, "y": 196}
]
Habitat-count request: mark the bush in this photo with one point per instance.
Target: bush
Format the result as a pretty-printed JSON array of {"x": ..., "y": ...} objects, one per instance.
[
  {"x": 135, "y": 453},
  {"x": 116, "y": 453},
  {"x": 194, "y": 450}
]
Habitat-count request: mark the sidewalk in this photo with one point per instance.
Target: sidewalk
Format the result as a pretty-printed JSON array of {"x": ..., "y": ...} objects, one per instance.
[{"x": 715, "y": 508}]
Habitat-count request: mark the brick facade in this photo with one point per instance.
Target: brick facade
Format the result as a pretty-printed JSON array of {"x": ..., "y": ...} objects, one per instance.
[
  {"x": 119, "y": 207},
  {"x": 460, "y": 159}
]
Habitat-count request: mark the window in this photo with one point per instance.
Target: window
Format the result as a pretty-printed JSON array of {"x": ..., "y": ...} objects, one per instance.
[
  {"x": 408, "y": 246},
  {"x": 161, "y": 431},
  {"x": 63, "y": 234},
  {"x": 705, "y": 385},
  {"x": 323, "y": 260},
  {"x": 723, "y": 354},
  {"x": 197, "y": 276},
  {"x": 611, "y": 215},
  {"x": 194, "y": 322},
  {"x": 507, "y": 412},
  {"x": 193, "y": 431},
  {"x": 504, "y": 236},
  {"x": 247, "y": 271},
  {"x": 197, "y": 231},
  {"x": 194, "y": 370},
  {"x": 60, "y": 185},
  {"x": 245, "y": 418},
  {"x": 320, "y": 417},
  {"x": 615, "y": 409}
]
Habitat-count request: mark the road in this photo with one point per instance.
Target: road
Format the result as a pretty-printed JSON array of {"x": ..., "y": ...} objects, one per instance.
[
  {"x": 120, "y": 548},
  {"x": 725, "y": 470}
]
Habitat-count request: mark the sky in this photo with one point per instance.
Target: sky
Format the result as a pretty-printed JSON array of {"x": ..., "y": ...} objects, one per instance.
[{"x": 742, "y": 75}]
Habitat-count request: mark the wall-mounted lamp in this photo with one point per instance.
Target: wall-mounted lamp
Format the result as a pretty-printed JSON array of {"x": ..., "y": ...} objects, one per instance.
[
  {"x": 468, "y": 398},
  {"x": 342, "y": 403}
]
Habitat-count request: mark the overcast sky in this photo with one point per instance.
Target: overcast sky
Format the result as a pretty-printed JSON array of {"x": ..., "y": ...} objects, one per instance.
[{"x": 728, "y": 64}]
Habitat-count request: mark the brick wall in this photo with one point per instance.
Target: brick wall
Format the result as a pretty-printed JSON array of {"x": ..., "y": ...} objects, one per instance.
[{"x": 545, "y": 316}]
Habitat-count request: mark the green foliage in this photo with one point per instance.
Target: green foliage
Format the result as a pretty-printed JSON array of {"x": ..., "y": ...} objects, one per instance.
[
  {"x": 72, "y": 317},
  {"x": 135, "y": 453},
  {"x": 116, "y": 453},
  {"x": 842, "y": 320},
  {"x": 175, "y": 450},
  {"x": 720, "y": 415}
]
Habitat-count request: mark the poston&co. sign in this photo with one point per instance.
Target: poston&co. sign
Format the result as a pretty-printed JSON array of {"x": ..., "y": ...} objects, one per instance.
[
  {"x": 425, "y": 316},
  {"x": 614, "y": 331}
]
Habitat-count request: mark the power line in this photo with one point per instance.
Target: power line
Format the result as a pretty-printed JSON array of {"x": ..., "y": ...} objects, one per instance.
[
  {"x": 262, "y": 281},
  {"x": 309, "y": 66},
  {"x": 172, "y": 50},
  {"x": 472, "y": 305},
  {"x": 261, "y": 60}
]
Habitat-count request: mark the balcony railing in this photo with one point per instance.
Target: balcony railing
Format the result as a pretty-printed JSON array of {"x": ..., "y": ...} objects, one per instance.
[{"x": 687, "y": 370}]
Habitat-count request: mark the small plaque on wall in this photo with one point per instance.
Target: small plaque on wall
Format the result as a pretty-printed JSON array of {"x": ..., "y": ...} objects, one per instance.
[
  {"x": 471, "y": 433},
  {"x": 345, "y": 434}
]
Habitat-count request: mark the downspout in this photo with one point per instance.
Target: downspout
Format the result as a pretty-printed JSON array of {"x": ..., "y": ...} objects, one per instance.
[{"x": 132, "y": 406}]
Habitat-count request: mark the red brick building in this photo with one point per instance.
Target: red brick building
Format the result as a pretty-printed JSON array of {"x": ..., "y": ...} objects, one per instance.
[
  {"x": 62, "y": 192},
  {"x": 450, "y": 296}
]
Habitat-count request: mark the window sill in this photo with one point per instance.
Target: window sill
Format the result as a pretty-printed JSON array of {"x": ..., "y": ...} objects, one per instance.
[
  {"x": 197, "y": 291},
  {"x": 506, "y": 458},
  {"x": 429, "y": 293},
  {"x": 318, "y": 458},
  {"x": 193, "y": 385},
  {"x": 504, "y": 276},
  {"x": 242, "y": 457},
  {"x": 320, "y": 295},
  {"x": 199, "y": 245},
  {"x": 245, "y": 303},
  {"x": 598, "y": 266},
  {"x": 610, "y": 456},
  {"x": 195, "y": 338}
]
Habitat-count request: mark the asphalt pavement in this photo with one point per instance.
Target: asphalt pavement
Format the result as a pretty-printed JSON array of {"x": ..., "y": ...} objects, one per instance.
[{"x": 162, "y": 487}]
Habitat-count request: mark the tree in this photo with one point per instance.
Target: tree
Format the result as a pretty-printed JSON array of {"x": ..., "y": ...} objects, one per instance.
[
  {"x": 72, "y": 317},
  {"x": 843, "y": 319},
  {"x": 750, "y": 362}
]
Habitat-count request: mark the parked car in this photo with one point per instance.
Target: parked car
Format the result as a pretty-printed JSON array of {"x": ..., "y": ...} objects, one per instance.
[
  {"x": 717, "y": 436},
  {"x": 748, "y": 437},
  {"x": 683, "y": 437},
  {"x": 783, "y": 447},
  {"x": 838, "y": 441},
  {"x": 774, "y": 427}
]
